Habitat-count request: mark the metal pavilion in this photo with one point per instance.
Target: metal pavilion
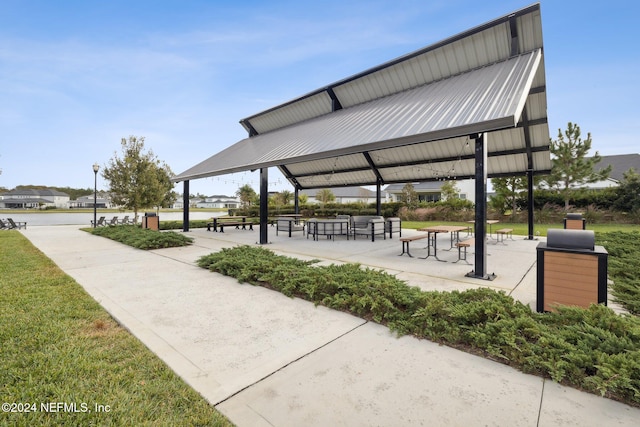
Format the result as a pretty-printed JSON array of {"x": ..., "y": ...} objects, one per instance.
[{"x": 471, "y": 106}]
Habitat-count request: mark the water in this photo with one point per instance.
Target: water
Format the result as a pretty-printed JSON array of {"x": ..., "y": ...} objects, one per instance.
[{"x": 85, "y": 218}]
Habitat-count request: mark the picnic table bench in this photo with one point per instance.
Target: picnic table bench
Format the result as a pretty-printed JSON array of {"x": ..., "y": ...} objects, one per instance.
[
  {"x": 502, "y": 233},
  {"x": 462, "y": 249},
  {"x": 407, "y": 239}
]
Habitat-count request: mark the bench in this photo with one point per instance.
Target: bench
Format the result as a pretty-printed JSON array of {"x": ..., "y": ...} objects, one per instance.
[
  {"x": 462, "y": 249},
  {"x": 406, "y": 240},
  {"x": 500, "y": 234},
  {"x": 237, "y": 224}
]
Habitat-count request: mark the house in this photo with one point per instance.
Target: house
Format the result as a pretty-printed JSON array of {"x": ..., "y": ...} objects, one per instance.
[
  {"x": 431, "y": 191},
  {"x": 34, "y": 199},
  {"x": 344, "y": 195},
  {"x": 619, "y": 165},
  {"x": 219, "y": 201},
  {"x": 102, "y": 201}
]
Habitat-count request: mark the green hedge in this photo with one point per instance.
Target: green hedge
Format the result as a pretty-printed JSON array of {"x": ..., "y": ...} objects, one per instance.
[
  {"x": 593, "y": 349},
  {"x": 177, "y": 225},
  {"x": 327, "y": 210},
  {"x": 142, "y": 238}
]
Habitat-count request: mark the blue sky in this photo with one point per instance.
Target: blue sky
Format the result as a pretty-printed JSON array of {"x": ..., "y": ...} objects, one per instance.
[{"x": 77, "y": 76}]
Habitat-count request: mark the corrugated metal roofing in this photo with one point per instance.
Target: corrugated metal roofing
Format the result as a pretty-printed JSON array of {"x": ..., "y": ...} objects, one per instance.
[{"x": 410, "y": 119}]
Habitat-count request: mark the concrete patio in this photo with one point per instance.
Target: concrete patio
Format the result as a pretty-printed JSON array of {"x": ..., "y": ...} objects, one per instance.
[{"x": 264, "y": 359}]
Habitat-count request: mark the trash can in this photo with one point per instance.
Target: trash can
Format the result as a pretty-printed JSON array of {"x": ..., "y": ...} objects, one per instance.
[
  {"x": 571, "y": 270},
  {"x": 574, "y": 221},
  {"x": 151, "y": 220}
]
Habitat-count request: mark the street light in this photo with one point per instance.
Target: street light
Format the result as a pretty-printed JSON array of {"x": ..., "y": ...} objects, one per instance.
[{"x": 96, "y": 167}]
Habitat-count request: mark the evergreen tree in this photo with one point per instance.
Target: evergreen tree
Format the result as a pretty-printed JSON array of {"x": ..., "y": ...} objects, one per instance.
[
  {"x": 628, "y": 192},
  {"x": 570, "y": 166}
]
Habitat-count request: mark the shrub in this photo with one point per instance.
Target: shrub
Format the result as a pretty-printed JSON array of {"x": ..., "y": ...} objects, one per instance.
[
  {"x": 593, "y": 349},
  {"x": 142, "y": 238}
]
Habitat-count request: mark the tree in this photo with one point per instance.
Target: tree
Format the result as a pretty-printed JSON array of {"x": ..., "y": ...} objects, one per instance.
[
  {"x": 138, "y": 180},
  {"x": 449, "y": 190},
  {"x": 570, "y": 168},
  {"x": 285, "y": 197},
  {"x": 325, "y": 196},
  {"x": 409, "y": 196},
  {"x": 246, "y": 194},
  {"x": 507, "y": 191},
  {"x": 628, "y": 192}
]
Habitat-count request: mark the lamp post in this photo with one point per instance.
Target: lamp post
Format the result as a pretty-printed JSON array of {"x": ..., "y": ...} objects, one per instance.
[{"x": 96, "y": 167}]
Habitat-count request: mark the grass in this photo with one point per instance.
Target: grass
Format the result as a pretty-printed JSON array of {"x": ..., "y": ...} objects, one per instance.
[
  {"x": 590, "y": 349},
  {"x": 522, "y": 229},
  {"x": 59, "y": 345}
]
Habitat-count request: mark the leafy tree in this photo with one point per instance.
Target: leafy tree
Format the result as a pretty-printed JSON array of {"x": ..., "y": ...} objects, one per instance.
[
  {"x": 507, "y": 192},
  {"x": 570, "y": 167},
  {"x": 325, "y": 196},
  {"x": 449, "y": 190},
  {"x": 303, "y": 198},
  {"x": 247, "y": 195},
  {"x": 409, "y": 196},
  {"x": 138, "y": 180},
  {"x": 628, "y": 192}
]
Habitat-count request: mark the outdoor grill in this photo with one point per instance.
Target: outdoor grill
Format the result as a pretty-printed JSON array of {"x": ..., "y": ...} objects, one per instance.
[{"x": 572, "y": 270}]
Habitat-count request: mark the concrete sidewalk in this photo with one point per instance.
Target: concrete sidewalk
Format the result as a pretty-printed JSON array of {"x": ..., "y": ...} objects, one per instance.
[{"x": 264, "y": 359}]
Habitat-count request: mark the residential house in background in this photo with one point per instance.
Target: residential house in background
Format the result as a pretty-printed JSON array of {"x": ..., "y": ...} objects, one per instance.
[
  {"x": 33, "y": 199},
  {"x": 86, "y": 202},
  {"x": 219, "y": 201},
  {"x": 431, "y": 191},
  {"x": 344, "y": 195},
  {"x": 619, "y": 165}
]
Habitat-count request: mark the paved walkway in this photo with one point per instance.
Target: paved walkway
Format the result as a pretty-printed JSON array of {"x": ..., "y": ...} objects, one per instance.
[{"x": 264, "y": 359}]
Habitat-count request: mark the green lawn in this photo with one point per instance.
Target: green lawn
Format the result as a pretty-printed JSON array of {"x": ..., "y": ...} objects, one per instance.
[
  {"x": 64, "y": 356},
  {"x": 523, "y": 229}
]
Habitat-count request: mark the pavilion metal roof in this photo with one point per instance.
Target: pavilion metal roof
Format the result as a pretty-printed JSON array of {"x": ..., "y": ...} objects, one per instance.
[{"x": 411, "y": 119}]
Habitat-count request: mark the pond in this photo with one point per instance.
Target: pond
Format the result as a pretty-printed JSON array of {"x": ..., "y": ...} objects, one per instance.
[{"x": 85, "y": 218}]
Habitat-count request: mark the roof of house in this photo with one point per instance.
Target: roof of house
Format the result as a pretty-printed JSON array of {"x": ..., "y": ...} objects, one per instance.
[
  {"x": 35, "y": 193},
  {"x": 352, "y": 192},
  {"x": 619, "y": 164},
  {"x": 412, "y": 118},
  {"x": 417, "y": 186}
]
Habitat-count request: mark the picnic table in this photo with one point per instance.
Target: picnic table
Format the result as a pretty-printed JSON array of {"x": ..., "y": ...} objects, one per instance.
[
  {"x": 432, "y": 235},
  {"x": 490, "y": 223}
]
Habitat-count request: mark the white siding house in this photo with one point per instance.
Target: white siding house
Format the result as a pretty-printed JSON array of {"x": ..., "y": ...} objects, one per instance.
[
  {"x": 344, "y": 195},
  {"x": 215, "y": 202},
  {"x": 34, "y": 199},
  {"x": 619, "y": 165},
  {"x": 432, "y": 191}
]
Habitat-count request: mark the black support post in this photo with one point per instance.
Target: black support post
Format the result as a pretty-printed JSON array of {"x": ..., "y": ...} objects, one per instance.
[
  {"x": 296, "y": 200},
  {"x": 264, "y": 205},
  {"x": 480, "y": 271},
  {"x": 530, "y": 203},
  {"x": 185, "y": 206},
  {"x": 378, "y": 197}
]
